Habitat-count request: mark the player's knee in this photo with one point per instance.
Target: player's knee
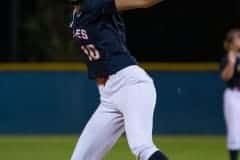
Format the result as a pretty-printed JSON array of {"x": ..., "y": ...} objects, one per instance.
[{"x": 158, "y": 156}]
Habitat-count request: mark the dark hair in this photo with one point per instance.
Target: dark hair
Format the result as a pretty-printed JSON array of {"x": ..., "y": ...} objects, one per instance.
[{"x": 230, "y": 38}]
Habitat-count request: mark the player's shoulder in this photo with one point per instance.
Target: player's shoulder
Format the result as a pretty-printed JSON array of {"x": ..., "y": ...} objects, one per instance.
[
  {"x": 91, "y": 6},
  {"x": 99, "y": 7}
]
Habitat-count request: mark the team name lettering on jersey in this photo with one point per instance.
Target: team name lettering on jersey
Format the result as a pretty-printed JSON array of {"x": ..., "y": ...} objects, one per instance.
[
  {"x": 80, "y": 34},
  {"x": 88, "y": 49}
]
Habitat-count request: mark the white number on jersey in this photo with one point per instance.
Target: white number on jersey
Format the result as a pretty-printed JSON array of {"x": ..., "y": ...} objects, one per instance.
[{"x": 91, "y": 51}]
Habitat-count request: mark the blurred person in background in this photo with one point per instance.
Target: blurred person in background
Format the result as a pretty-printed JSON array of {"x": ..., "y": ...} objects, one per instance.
[{"x": 230, "y": 73}]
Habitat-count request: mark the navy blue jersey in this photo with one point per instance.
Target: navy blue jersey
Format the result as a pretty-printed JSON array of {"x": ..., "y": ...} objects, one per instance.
[
  {"x": 235, "y": 80},
  {"x": 99, "y": 33}
]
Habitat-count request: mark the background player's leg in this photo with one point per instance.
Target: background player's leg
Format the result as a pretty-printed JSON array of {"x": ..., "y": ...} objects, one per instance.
[
  {"x": 100, "y": 134},
  {"x": 232, "y": 113},
  {"x": 138, "y": 108}
]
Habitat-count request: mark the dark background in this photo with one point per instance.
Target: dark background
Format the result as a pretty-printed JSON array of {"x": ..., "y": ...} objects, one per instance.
[{"x": 176, "y": 30}]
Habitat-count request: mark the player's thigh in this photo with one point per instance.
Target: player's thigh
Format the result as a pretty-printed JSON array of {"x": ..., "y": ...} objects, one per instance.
[
  {"x": 138, "y": 112},
  {"x": 232, "y": 110},
  {"x": 232, "y": 114},
  {"x": 101, "y": 132}
]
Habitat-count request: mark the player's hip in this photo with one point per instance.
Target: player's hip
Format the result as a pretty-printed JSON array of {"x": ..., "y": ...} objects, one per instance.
[
  {"x": 128, "y": 76},
  {"x": 231, "y": 99},
  {"x": 232, "y": 93}
]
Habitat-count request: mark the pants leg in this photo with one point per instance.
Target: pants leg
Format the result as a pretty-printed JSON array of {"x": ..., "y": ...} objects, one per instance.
[
  {"x": 232, "y": 117},
  {"x": 138, "y": 108},
  {"x": 100, "y": 134}
]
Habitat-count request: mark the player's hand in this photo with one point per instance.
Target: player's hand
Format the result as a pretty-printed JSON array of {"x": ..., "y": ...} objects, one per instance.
[{"x": 232, "y": 58}]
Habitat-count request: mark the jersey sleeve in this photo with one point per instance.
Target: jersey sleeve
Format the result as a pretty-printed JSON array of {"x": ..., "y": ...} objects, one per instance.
[{"x": 99, "y": 6}]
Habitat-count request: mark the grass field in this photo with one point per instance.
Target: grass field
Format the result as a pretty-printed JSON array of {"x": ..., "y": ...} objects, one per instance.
[{"x": 60, "y": 148}]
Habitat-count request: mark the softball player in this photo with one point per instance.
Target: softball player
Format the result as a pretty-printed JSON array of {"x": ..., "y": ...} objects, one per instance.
[
  {"x": 127, "y": 93},
  {"x": 230, "y": 68}
]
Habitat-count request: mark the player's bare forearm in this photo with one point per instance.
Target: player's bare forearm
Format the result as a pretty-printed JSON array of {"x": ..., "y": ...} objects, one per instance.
[
  {"x": 123, "y": 5},
  {"x": 228, "y": 72},
  {"x": 150, "y": 3}
]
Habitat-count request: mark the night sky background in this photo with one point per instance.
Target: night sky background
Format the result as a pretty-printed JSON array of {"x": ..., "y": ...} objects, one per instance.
[{"x": 176, "y": 30}]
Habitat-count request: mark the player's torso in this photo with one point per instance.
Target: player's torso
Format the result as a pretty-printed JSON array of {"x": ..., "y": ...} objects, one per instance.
[
  {"x": 235, "y": 81},
  {"x": 101, "y": 38}
]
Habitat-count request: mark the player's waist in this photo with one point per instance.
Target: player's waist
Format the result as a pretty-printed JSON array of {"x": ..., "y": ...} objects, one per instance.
[
  {"x": 128, "y": 75},
  {"x": 109, "y": 67},
  {"x": 235, "y": 88},
  {"x": 102, "y": 80}
]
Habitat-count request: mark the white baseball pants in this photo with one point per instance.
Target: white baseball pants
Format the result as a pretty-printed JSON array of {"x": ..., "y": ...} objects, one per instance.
[
  {"x": 232, "y": 117},
  {"x": 127, "y": 105}
]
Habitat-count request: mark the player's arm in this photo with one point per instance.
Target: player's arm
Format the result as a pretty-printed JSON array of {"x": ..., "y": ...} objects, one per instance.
[
  {"x": 123, "y": 5},
  {"x": 110, "y": 6},
  {"x": 229, "y": 69}
]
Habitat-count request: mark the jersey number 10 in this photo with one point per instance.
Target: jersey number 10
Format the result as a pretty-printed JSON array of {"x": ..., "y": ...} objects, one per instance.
[{"x": 91, "y": 51}]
